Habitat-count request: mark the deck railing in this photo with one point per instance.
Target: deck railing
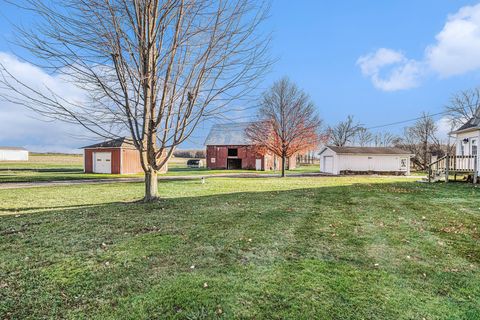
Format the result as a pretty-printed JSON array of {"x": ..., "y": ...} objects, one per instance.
[
  {"x": 462, "y": 163},
  {"x": 454, "y": 164}
]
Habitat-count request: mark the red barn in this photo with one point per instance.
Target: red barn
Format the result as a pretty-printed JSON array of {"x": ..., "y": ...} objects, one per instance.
[
  {"x": 229, "y": 148},
  {"x": 117, "y": 156}
]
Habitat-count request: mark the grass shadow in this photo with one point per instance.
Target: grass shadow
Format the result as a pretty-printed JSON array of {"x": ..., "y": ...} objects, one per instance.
[{"x": 358, "y": 251}]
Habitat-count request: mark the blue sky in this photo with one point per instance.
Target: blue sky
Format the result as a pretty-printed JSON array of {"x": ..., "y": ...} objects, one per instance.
[{"x": 381, "y": 61}]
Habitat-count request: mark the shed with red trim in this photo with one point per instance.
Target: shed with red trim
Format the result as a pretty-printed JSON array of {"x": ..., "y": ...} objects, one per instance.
[{"x": 117, "y": 156}]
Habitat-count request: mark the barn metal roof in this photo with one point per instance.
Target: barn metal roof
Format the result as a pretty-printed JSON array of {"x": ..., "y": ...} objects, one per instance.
[
  {"x": 228, "y": 134},
  {"x": 123, "y": 142},
  {"x": 366, "y": 150},
  {"x": 13, "y": 148}
]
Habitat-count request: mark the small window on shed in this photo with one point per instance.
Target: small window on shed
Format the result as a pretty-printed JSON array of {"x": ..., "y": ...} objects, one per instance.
[{"x": 232, "y": 152}]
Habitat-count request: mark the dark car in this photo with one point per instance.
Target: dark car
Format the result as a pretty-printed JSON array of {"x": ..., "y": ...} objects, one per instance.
[{"x": 194, "y": 163}]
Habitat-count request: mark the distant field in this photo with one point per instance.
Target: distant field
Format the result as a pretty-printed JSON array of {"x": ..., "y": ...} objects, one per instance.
[
  {"x": 46, "y": 161},
  {"x": 56, "y": 167}
]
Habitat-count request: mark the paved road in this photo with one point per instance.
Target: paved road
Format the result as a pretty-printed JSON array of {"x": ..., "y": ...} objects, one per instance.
[{"x": 17, "y": 185}]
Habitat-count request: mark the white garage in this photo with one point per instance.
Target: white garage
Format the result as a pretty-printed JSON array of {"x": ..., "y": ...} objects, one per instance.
[
  {"x": 342, "y": 160},
  {"x": 13, "y": 154}
]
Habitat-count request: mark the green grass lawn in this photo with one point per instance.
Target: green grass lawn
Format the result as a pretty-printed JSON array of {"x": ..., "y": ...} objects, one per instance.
[
  {"x": 70, "y": 167},
  {"x": 294, "y": 248}
]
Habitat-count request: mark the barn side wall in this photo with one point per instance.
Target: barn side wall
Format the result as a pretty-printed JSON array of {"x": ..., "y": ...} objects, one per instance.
[
  {"x": 217, "y": 157},
  {"x": 292, "y": 162}
]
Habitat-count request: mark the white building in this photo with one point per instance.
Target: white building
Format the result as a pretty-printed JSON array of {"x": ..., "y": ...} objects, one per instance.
[
  {"x": 13, "y": 154},
  {"x": 338, "y": 160},
  {"x": 467, "y": 137}
]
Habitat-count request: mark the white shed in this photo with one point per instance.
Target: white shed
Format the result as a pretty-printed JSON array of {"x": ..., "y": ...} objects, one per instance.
[
  {"x": 338, "y": 160},
  {"x": 13, "y": 154}
]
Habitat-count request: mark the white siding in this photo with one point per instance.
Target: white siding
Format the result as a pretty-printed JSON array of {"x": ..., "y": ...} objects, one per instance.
[
  {"x": 378, "y": 163},
  {"x": 465, "y": 148},
  {"x": 13, "y": 155},
  {"x": 472, "y": 137},
  {"x": 365, "y": 162}
]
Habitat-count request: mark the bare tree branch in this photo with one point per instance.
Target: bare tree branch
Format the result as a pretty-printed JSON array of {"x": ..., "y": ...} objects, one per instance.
[
  {"x": 344, "y": 132},
  {"x": 463, "y": 106}
]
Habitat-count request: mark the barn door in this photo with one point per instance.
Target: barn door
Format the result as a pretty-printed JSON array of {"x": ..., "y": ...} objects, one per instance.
[
  {"x": 258, "y": 164},
  {"x": 102, "y": 162}
]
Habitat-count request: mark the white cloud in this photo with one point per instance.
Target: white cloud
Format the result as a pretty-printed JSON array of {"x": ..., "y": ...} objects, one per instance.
[
  {"x": 373, "y": 62},
  {"x": 403, "y": 73},
  {"x": 22, "y": 127},
  {"x": 457, "y": 49},
  {"x": 455, "y": 52}
]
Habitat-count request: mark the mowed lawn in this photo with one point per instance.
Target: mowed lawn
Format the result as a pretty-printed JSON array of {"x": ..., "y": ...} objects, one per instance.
[{"x": 294, "y": 248}]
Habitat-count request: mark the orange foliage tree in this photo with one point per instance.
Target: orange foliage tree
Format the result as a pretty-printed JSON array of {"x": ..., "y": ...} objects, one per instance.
[{"x": 287, "y": 122}]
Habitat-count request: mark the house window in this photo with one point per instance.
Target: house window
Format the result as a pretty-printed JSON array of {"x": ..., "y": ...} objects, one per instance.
[
  {"x": 474, "y": 147},
  {"x": 462, "y": 149},
  {"x": 232, "y": 152}
]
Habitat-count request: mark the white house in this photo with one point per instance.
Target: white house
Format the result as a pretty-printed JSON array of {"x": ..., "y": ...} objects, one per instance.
[
  {"x": 467, "y": 137},
  {"x": 13, "y": 154},
  {"x": 338, "y": 160}
]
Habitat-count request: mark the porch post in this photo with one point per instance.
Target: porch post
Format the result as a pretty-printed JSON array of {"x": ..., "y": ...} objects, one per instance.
[
  {"x": 447, "y": 165},
  {"x": 475, "y": 169}
]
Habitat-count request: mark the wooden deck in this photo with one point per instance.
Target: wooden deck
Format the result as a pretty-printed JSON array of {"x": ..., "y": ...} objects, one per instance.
[{"x": 448, "y": 165}]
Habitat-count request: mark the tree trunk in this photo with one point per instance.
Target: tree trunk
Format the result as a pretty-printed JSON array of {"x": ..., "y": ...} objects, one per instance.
[
  {"x": 284, "y": 162},
  {"x": 151, "y": 186}
]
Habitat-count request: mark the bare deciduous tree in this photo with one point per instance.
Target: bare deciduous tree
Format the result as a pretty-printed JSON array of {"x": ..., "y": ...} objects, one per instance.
[
  {"x": 384, "y": 139},
  {"x": 287, "y": 122},
  {"x": 363, "y": 137},
  {"x": 344, "y": 132},
  {"x": 152, "y": 69},
  {"x": 421, "y": 140},
  {"x": 463, "y": 106}
]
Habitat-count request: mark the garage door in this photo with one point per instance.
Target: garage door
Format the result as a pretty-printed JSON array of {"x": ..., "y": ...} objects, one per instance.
[
  {"x": 328, "y": 164},
  {"x": 102, "y": 162}
]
